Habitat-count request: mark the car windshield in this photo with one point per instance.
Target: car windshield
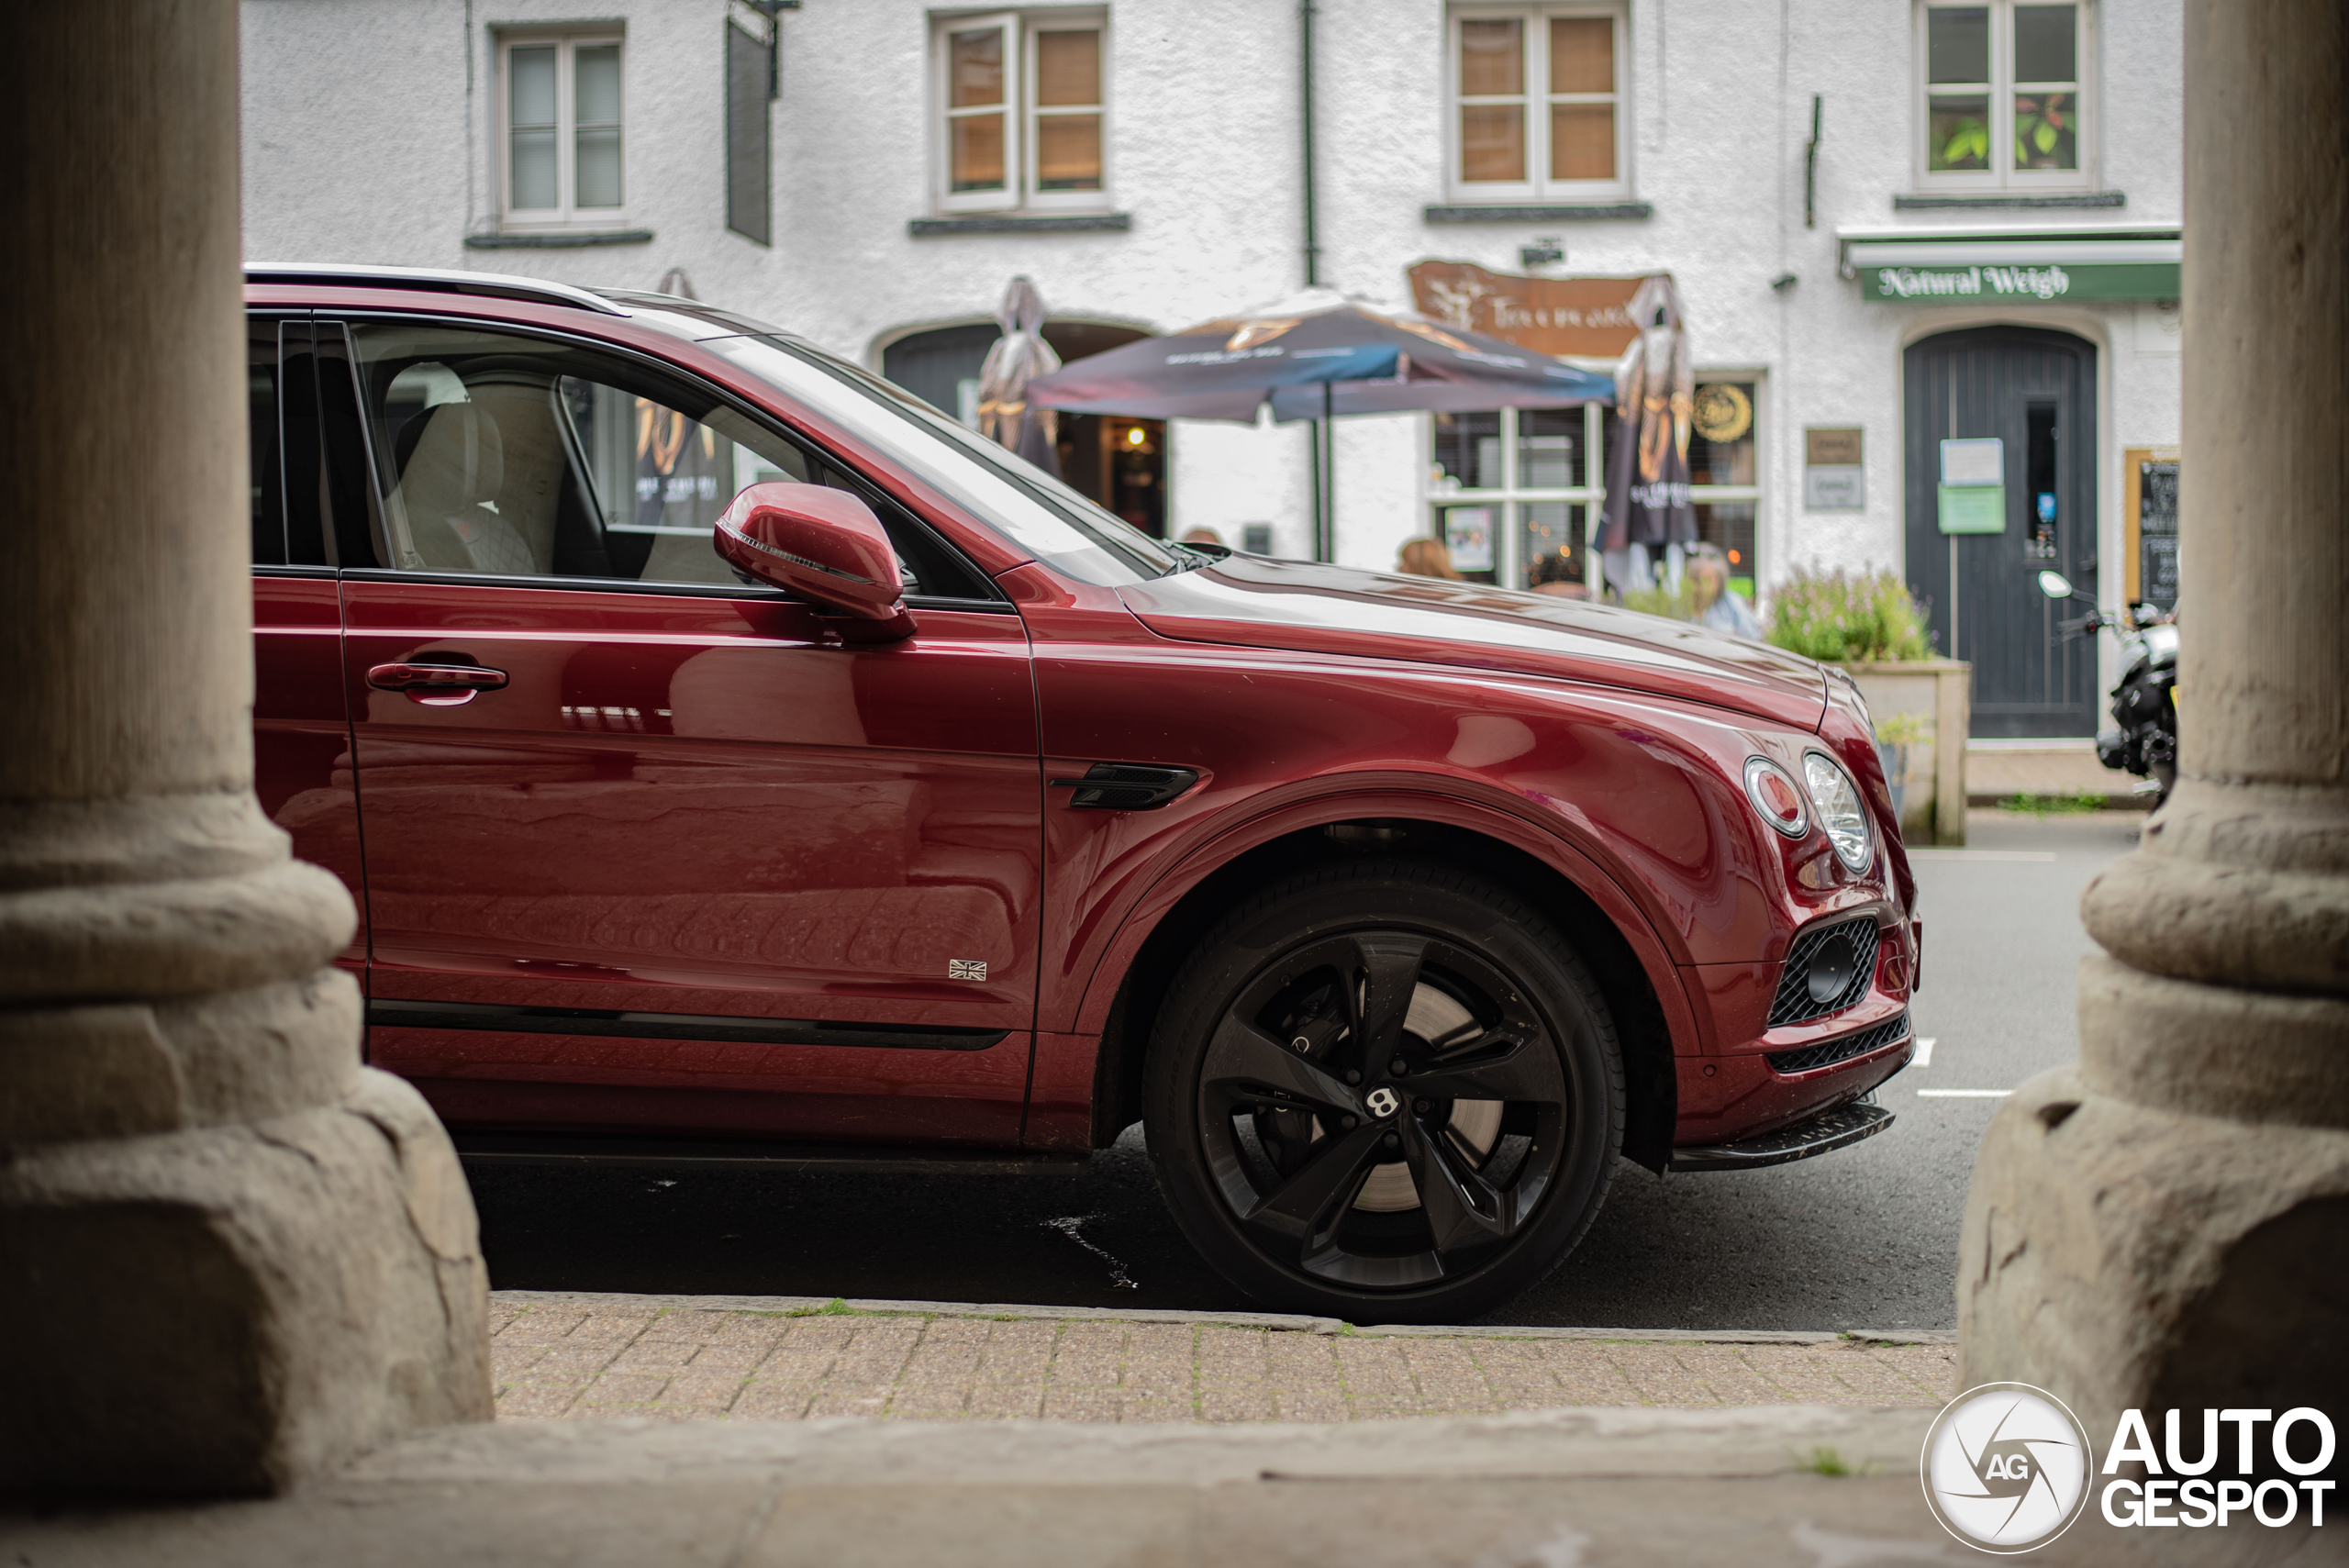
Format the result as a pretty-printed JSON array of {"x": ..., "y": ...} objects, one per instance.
[{"x": 1041, "y": 515}]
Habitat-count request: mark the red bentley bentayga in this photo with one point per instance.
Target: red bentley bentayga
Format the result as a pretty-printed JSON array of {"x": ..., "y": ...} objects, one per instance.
[{"x": 729, "y": 753}]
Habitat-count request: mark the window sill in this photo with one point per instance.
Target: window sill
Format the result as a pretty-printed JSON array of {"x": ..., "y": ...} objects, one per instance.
[
  {"x": 1022, "y": 223},
  {"x": 558, "y": 241},
  {"x": 2011, "y": 199},
  {"x": 1603, "y": 212}
]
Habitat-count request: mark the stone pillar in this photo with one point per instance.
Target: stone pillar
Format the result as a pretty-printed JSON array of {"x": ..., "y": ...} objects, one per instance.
[
  {"x": 2165, "y": 1224},
  {"x": 229, "y": 1255}
]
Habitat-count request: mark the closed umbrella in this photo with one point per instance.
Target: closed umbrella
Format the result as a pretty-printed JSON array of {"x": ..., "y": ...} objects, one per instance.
[
  {"x": 1315, "y": 356},
  {"x": 1012, "y": 363}
]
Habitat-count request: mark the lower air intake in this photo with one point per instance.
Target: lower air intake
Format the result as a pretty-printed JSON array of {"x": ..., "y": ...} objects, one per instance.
[{"x": 1828, "y": 1052}]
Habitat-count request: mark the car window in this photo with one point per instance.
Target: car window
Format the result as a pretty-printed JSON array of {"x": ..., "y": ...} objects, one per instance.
[
  {"x": 261, "y": 419},
  {"x": 510, "y": 456},
  {"x": 1060, "y": 526}
]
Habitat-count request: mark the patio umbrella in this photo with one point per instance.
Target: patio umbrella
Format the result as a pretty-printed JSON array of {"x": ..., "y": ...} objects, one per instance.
[
  {"x": 1316, "y": 356},
  {"x": 1012, "y": 362}
]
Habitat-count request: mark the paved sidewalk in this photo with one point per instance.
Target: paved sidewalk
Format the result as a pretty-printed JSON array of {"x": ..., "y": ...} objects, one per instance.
[{"x": 701, "y": 1359}]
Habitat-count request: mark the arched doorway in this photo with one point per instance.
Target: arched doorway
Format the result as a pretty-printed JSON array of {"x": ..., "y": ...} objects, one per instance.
[
  {"x": 2033, "y": 391},
  {"x": 1117, "y": 461}
]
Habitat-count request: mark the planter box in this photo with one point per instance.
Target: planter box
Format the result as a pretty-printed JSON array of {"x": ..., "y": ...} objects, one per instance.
[{"x": 1932, "y": 788}]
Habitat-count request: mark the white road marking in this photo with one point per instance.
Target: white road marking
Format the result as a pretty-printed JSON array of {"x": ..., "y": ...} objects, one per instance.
[
  {"x": 2035, "y": 856},
  {"x": 1963, "y": 1094},
  {"x": 1924, "y": 1057}
]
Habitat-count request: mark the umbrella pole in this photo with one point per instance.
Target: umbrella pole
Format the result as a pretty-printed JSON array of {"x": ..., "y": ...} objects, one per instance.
[{"x": 1325, "y": 489}]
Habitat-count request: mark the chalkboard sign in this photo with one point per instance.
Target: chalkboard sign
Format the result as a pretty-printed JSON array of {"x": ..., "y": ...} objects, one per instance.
[{"x": 2157, "y": 533}]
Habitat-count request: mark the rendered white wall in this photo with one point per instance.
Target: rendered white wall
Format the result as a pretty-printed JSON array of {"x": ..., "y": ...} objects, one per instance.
[{"x": 364, "y": 142}]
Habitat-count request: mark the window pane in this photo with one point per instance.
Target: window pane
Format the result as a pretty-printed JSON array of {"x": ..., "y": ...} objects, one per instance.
[
  {"x": 1957, "y": 43},
  {"x": 534, "y": 169},
  {"x": 1551, "y": 546},
  {"x": 533, "y": 70},
  {"x": 1549, "y": 450},
  {"x": 1581, "y": 142},
  {"x": 1492, "y": 59},
  {"x": 1721, "y": 441},
  {"x": 977, "y": 69},
  {"x": 1581, "y": 55},
  {"x": 2045, "y": 43},
  {"x": 978, "y": 153},
  {"x": 596, "y": 83},
  {"x": 2047, "y": 130},
  {"x": 1068, "y": 152},
  {"x": 1468, "y": 450},
  {"x": 599, "y": 167},
  {"x": 261, "y": 423},
  {"x": 1728, "y": 527},
  {"x": 1068, "y": 67},
  {"x": 1957, "y": 131},
  {"x": 1492, "y": 142}
]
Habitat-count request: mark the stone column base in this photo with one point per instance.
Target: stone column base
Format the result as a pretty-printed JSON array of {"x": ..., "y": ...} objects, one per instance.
[
  {"x": 2122, "y": 1257},
  {"x": 195, "y": 1312}
]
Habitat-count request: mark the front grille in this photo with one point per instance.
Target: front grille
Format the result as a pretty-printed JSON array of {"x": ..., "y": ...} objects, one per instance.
[
  {"x": 1828, "y": 1052},
  {"x": 1793, "y": 1004}
]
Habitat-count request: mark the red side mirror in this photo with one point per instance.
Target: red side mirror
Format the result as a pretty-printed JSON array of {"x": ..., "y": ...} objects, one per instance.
[{"x": 821, "y": 544}]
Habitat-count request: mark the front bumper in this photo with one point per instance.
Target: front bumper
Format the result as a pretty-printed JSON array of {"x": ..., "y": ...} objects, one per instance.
[{"x": 1821, "y": 1134}]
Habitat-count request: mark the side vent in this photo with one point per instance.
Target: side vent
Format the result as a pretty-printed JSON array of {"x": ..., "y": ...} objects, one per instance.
[{"x": 1127, "y": 786}]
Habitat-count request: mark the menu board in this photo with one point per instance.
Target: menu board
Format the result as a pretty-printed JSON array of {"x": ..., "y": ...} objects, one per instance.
[{"x": 2157, "y": 532}]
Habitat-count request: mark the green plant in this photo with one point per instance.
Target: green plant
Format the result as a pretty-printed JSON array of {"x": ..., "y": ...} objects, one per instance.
[
  {"x": 1900, "y": 730},
  {"x": 2052, "y": 804},
  {"x": 1664, "y": 601},
  {"x": 1827, "y": 1461},
  {"x": 1850, "y": 618}
]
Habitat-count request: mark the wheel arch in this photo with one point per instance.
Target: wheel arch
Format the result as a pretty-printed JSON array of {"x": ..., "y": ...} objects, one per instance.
[{"x": 1635, "y": 970}]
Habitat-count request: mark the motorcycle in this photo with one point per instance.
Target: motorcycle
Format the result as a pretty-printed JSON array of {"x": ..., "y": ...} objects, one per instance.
[{"x": 2145, "y": 705}]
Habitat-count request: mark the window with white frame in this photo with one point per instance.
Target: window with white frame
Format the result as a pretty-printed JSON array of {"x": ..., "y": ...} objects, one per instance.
[
  {"x": 2005, "y": 96},
  {"x": 559, "y": 131},
  {"x": 1023, "y": 111},
  {"x": 1519, "y": 494},
  {"x": 1538, "y": 103}
]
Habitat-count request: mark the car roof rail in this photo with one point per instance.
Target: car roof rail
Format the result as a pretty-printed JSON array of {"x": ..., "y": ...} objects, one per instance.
[{"x": 494, "y": 286}]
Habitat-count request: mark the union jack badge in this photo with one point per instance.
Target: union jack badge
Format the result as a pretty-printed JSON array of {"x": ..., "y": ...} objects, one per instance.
[{"x": 966, "y": 969}]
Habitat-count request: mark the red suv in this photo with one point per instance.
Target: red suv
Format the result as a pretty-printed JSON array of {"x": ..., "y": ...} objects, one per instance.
[{"x": 732, "y": 756}]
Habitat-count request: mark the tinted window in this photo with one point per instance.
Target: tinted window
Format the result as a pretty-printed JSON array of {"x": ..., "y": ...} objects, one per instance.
[
  {"x": 260, "y": 412},
  {"x": 523, "y": 457}
]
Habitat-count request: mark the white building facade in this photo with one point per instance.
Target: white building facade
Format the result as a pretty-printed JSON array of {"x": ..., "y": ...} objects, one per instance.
[{"x": 1978, "y": 241}]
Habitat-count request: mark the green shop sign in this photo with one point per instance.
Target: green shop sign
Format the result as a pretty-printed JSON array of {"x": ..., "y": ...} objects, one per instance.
[
  {"x": 2139, "y": 280},
  {"x": 2014, "y": 267}
]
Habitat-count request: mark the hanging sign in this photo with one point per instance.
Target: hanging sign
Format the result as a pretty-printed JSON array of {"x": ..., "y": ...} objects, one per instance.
[
  {"x": 1973, "y": 493},
  {"x": 1468, "y": 537},
  {"x": 1586, "y": 318}
]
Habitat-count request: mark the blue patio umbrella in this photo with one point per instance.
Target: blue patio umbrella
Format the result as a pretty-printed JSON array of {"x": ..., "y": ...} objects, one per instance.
[{"x": 1316, "y": 355}]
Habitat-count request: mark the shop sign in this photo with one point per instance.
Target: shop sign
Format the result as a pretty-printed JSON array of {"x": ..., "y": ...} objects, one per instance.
[
  {"x": 2052, "y": 282},
  {"x": 1834, "y": 479},
  {"x": 1581, "y": 317}
]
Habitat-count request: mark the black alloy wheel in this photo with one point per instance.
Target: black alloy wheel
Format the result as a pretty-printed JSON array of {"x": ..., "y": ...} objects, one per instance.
[{"x": 1384, "y": 1091}]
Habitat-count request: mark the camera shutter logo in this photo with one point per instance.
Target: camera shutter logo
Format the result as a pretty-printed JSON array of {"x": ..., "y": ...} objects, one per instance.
[{"x": 2006, "y": 1468}]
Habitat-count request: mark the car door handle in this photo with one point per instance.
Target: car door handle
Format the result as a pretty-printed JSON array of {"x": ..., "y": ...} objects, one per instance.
[{"x": 436, "y": 685}]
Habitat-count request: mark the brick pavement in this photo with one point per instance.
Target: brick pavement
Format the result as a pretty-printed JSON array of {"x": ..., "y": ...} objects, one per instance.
[{"x": 614, "y": 1356}]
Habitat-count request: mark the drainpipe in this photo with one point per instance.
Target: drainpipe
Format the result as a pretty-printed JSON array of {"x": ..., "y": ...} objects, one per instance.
[{"x": 1323, "y": 480}]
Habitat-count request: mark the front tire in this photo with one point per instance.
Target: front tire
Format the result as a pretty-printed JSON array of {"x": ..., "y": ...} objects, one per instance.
[{"x": 1386, "y": 1092}]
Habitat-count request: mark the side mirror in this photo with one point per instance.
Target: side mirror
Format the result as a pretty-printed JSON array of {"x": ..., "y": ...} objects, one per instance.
[
  {"x": 822, "y": 544},
  {"x": 2055, "y": 584}
]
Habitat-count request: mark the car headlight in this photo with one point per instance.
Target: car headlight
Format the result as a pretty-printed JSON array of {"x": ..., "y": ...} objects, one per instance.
[
  {"x": 1841, "y": 812},
  {"x": 1773, "y": 795}
]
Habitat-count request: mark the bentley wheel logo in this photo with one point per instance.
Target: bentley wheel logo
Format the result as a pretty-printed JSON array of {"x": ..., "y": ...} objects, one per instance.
[
  {"x": 966, "y": 969},
  {"x": 2006, "y": 1467},
  {"x": 1383, "y": 1101}
]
